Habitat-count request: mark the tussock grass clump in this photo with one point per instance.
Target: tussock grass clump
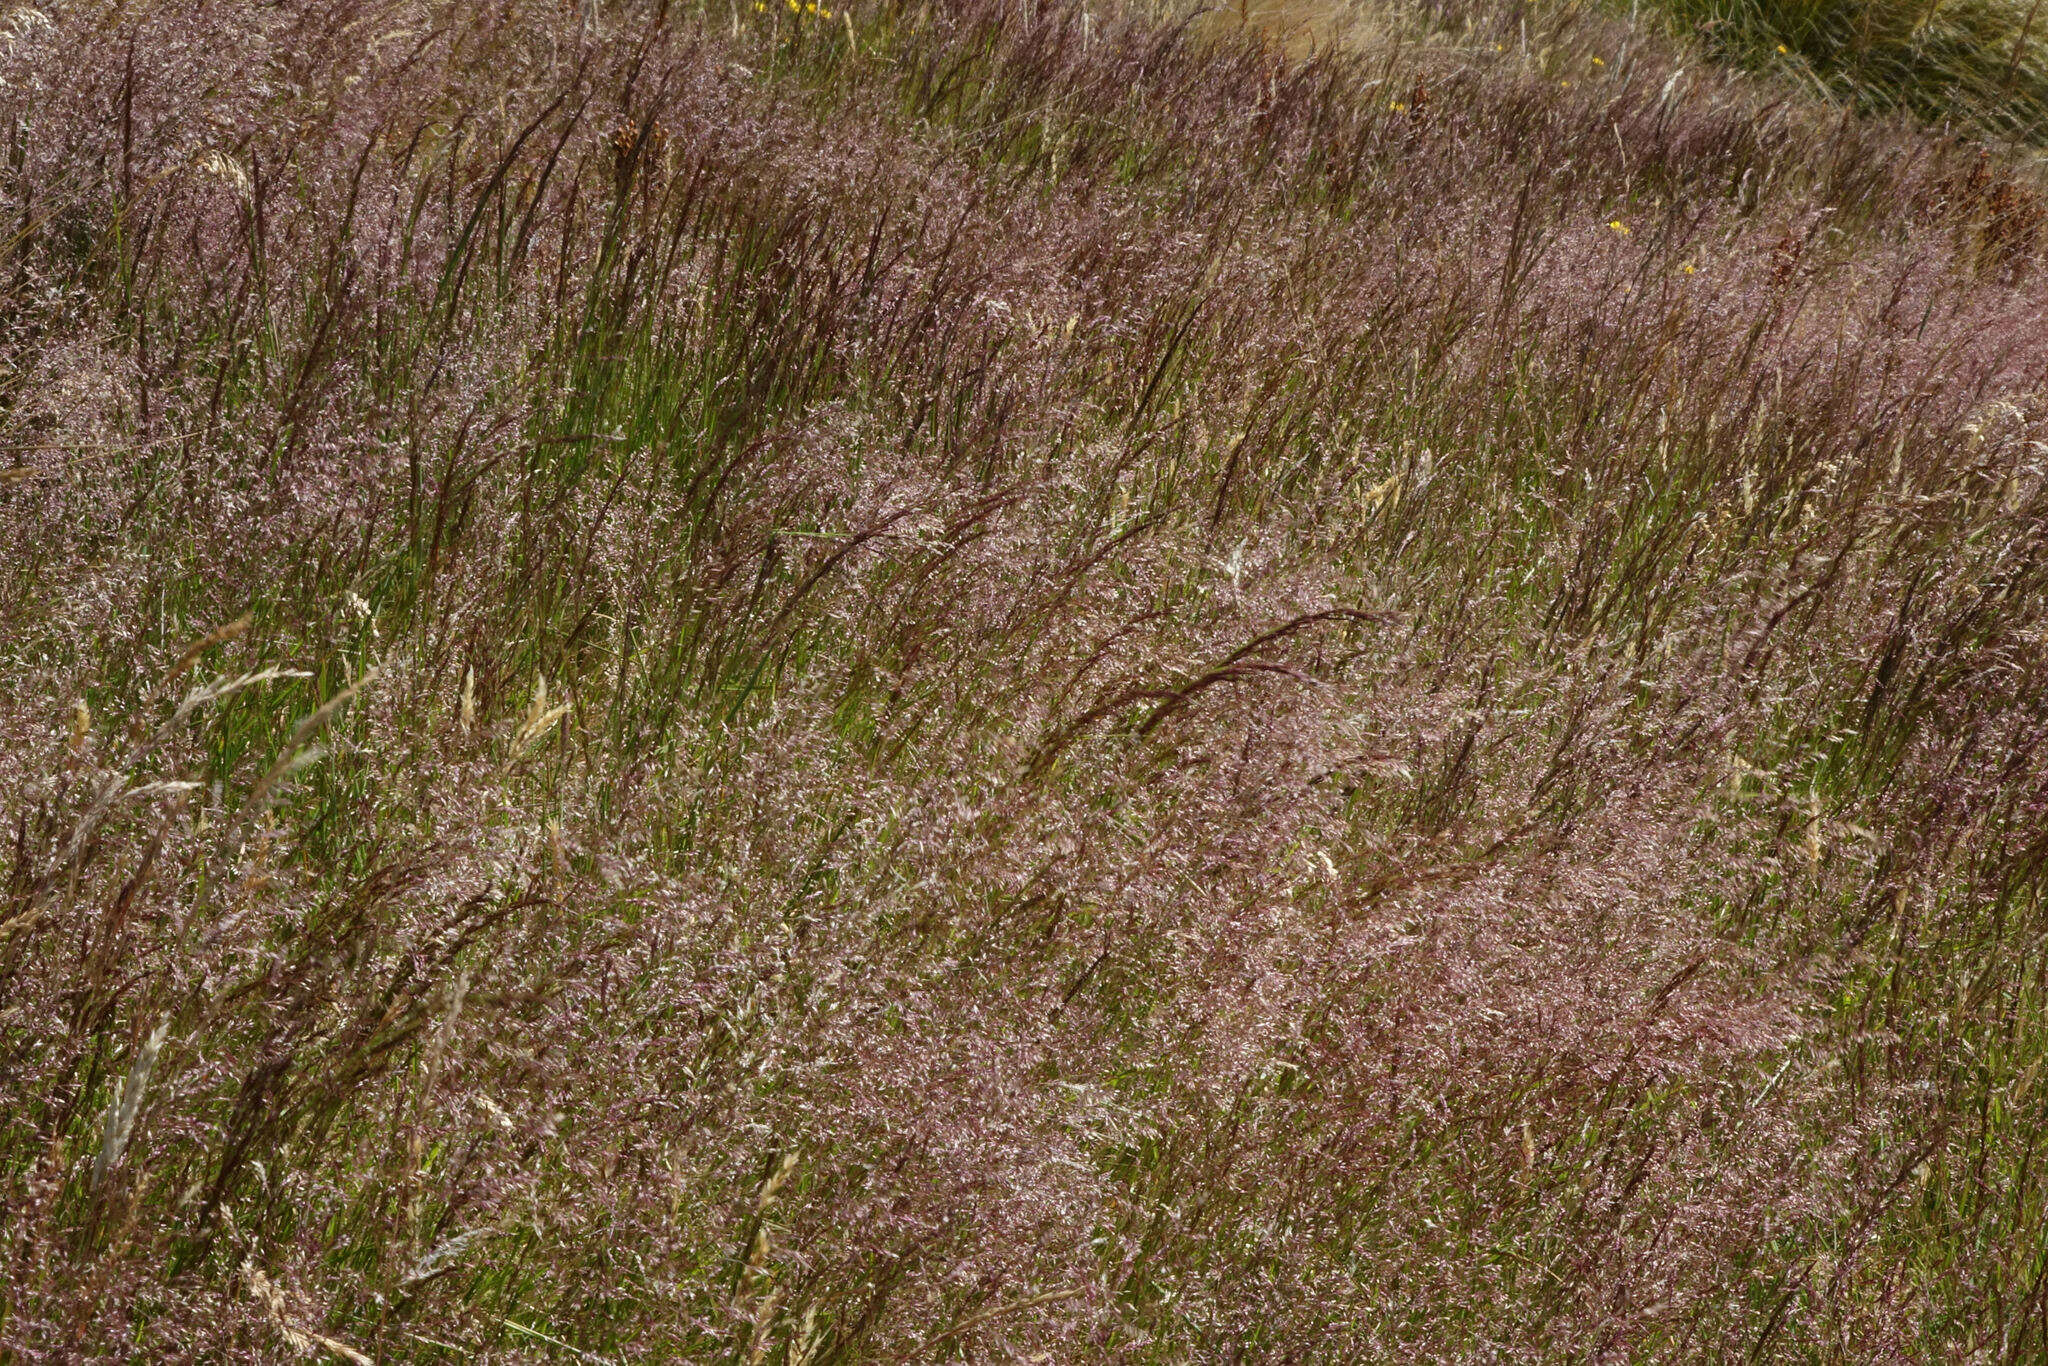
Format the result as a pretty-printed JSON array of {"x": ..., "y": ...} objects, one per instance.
[{"x": 1007, "y": 680}]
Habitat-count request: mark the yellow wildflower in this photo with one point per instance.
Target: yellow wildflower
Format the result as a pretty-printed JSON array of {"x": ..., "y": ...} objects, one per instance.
[
  {"x": 1598, "y": 62},
  {"x": 1617, "y": 225},
  {"x": 1784, "y": 51}
]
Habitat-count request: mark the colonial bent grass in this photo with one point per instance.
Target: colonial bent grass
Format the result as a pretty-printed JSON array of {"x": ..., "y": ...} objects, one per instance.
[{"x": 1008, "y": 681}]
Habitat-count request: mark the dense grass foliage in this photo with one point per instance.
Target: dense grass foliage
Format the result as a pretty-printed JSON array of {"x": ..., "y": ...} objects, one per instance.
[
  {"x": 1007, "y": 681},
  {"x": 1979, "y": 64}
]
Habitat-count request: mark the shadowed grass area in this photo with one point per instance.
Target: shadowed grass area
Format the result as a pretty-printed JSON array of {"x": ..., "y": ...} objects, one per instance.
[
  {"x": 1981, "y": 65},
  {"x": 998, "y": 681},
  {"x": 1978, "y": 67}
]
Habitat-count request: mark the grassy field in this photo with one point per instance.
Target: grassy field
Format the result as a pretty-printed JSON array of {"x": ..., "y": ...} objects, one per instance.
[
  {"x": 1978, "y": 68},
  {"x": 1977, "y": 65},
  {"x": 1009, "y": 681}
]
